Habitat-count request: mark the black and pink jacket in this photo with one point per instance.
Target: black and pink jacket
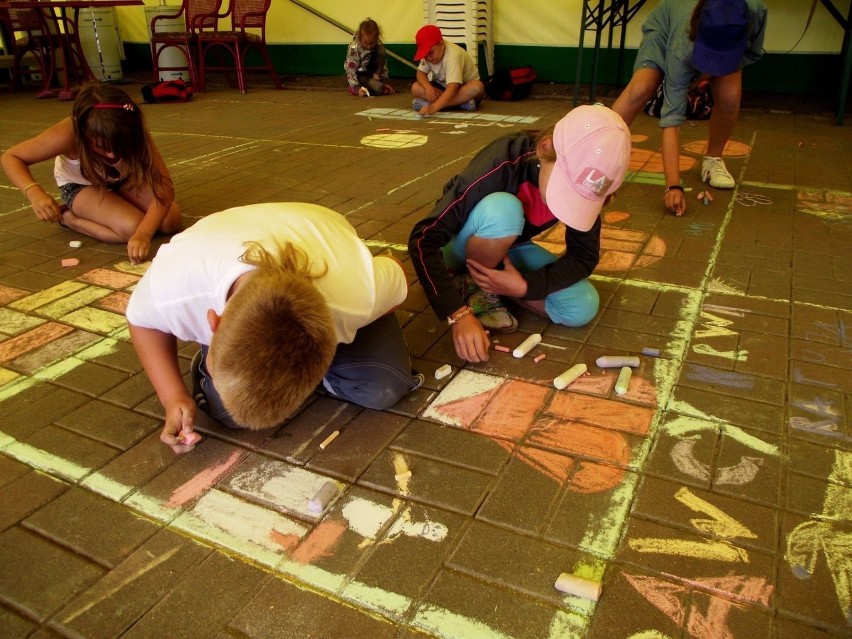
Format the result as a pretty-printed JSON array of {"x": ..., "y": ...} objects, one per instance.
[{"x": 508, "y": 164}]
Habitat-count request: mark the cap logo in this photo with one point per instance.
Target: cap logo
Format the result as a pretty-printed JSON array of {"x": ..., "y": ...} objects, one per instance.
[{"x": 594, "y": 180}]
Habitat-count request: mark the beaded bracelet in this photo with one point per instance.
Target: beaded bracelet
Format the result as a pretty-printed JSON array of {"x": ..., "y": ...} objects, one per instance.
[{"x": 455, "y": 317}]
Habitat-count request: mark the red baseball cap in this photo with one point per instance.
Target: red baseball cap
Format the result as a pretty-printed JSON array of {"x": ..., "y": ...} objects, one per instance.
[
  {"x": 426, "y": 38},
  {"x": 592, "y": 145}
]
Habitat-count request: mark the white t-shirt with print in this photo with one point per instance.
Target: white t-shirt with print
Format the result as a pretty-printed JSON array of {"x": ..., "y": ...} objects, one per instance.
[
  {"x": 195, "y": 270},
  {"x": 456, "y": 66}
]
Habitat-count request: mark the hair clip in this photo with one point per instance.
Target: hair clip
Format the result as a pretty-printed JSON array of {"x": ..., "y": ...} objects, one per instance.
[{"x": 114, "y": 105}]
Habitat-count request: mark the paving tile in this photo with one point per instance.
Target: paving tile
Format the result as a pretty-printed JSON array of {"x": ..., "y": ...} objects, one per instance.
[
  {"x": 681, "y": 507},
  {"x": 40, "y": 335},
  {"x": 109, "y": 424},
  {"x": 131, "y": 392},
  {"x": 37, "y": 576},
  {"x": 684, "y": 450},
  {"x": 807, "y": 580},
  {"x": 359, "y": 443},
  {"x": 716, "y": 564},
  {"x": 180, "y": 484},
  {"x": 25, "y": 494},
  {"x": 618, "y": 449},
  {"x": 523, "y": 564},
  {"x": 281, "y": 610},
  {"x": 749, "y": 466},
  {"x": 10, "y": 470},
  {"x": 492, "y": 611},
  {"x": 93, "y": 527},
  {"x": 89, "y": 378},
  {"x": 299, "y": 439},
  {"x": 204, "y": 601},
  {"x": 733, "y": 383},
  {"x": 53, "y": 352},
  {"x": 738, "y": 411},
  {"x": 14, "y": 626},
  {"x": 65, "y": 453},
  {"x": 452, "y": 445},
  {"x": 38, "y": 407},
  {"x": 121, "y": 597},
  {"x": 419, "y": 538},
  {"x": 432, "y": 482}
]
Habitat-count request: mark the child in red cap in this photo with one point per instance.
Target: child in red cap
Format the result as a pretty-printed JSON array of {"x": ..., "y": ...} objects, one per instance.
[{"x": 446, "y": 77}]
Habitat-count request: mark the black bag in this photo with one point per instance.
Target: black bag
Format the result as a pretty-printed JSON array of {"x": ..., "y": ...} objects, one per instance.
[
  {"x": 510, "y": 84},
  {"x": 699, "y": 102}
]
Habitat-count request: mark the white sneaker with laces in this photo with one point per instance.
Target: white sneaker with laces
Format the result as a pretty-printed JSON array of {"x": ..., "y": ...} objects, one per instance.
[{"x": 713, "y": 170}]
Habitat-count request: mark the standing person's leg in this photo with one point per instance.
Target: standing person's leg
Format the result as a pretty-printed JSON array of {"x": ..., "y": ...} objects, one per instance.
[
  {"x": 374, "y": 371},
  {"x": 727, "y": 94},
  {"x": 575, "y": 305},
  {"x": 636, "y": 94}
]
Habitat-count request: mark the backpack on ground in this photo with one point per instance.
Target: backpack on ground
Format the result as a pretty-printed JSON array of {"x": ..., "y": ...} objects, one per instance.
[
  {"x": 699, "y": 102},
  {"x": 167, "y": 91},
  {"x": 510, "y": 84}
]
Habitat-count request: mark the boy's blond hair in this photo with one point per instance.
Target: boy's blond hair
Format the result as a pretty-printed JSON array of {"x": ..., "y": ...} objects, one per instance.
[{"x": 275, "y": 341}]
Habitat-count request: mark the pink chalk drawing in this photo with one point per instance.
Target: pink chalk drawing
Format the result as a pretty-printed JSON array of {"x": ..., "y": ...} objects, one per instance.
[{"x": 202, "y": 482}]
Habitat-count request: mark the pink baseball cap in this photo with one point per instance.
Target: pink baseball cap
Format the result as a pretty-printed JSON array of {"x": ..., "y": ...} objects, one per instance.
[
  {"x": 592, "y": 145},
  {"x": 426, "y": 38}
]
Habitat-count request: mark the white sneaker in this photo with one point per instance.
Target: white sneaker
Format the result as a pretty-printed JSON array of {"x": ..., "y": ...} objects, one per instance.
[{"x": 713, "y": 171}]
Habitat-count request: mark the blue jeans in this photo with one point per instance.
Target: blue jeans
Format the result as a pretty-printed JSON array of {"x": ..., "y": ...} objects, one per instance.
[
  {"x": 374, "y": 371},
  {"x": 499, "y": 215}
]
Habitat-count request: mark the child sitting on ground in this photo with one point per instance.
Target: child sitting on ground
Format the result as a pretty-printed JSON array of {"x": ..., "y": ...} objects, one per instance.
[
  {"x": 111, "y": 177},
  {"x": 446, "y": 77},
  {"x": 281, "y": 297},
  {"x": 366, "y": 62}
]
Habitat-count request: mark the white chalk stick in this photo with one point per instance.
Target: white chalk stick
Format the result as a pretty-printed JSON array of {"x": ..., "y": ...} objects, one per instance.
[
  {"x": 329, "y": 439},
  {"x": 75, "y": 244},
  {"x": 579, "y": 587},
  {"x": 527, "y": 345},
  {"x": 623, "y": 381},
  {"x": 651, "y": 352},
  {"x": 442, "y": 372},
  {"x": 324, "y": 495},
  {"x": 617, "y": 361},
  {"x": 569, "y": 376}
]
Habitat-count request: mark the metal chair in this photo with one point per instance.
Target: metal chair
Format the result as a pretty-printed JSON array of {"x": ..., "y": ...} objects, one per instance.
[
  {"x": 198, "y": 16},
  {"x": 245, "y": 14}
]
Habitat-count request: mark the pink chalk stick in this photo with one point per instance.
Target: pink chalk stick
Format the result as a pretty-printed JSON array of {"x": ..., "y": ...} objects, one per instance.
[
  {"x": 70, "y": 261},
  {"x": 502, "y": 349},
  {"x": 538, "y": 358},
  {"x": 190, "y": 439}
]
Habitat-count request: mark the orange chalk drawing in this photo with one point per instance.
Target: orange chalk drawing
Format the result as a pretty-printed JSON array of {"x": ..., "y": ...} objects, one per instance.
[
  {"x": 321, "y": 542},
  {"x": 287, "y": 541},
  {"x": 202, "y": 482},
  {"x": 733, "y": 149},
  {"x": 605, "y": 413},
  {"x": 673, "y": 600},
  {"x": 512, "y": 410},
  {"x": 652, "y": 161}
]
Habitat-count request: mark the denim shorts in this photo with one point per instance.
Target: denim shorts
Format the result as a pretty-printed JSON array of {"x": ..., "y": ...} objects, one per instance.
[{"x": 69, "y": 191}]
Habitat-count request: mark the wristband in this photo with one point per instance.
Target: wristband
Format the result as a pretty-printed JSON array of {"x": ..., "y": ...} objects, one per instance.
[
  {"x": 455, "y": 317},
  {"x": 677, "y": 187}
]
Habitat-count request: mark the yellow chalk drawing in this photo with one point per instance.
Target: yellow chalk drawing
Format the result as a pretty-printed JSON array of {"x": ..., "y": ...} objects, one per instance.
[
  {"x": 718, "y": 523},
  {"x": 714, "y": 326},
  {"x": 46, "y": 296},
  {"x": 705, "y": 349},
  {"x": 828, "y": 532}
]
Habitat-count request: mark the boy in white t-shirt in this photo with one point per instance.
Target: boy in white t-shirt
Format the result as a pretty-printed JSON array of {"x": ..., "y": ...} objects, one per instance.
[
  {"x": 281, "y": 297},
  {"x": 454, "y": 78}
]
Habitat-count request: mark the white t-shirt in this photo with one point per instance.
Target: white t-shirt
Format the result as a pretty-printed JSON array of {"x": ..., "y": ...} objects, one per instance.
[
  {"x": 195, "y": 270},
  {"x": 456, "y": 66}
]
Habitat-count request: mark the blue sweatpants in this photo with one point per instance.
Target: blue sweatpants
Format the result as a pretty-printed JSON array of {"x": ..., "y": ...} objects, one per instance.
[{"x": 501, "y": 214}]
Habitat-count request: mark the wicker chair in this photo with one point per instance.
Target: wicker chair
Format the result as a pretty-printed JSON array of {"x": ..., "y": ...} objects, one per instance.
[
  {"x": 199, "y": 16},
  {"x": 238, "y": 42},
  {"x": 33, "y": 39}
]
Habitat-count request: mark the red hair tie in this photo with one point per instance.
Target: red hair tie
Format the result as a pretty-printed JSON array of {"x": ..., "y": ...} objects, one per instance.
[{"x": 114, "y": 105}]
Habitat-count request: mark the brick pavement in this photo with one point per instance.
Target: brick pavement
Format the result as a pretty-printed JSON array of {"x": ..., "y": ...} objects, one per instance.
[{"x": 713, "y": 500}]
